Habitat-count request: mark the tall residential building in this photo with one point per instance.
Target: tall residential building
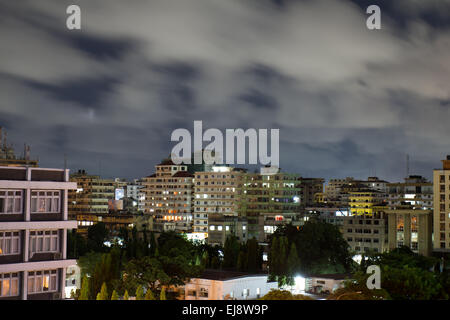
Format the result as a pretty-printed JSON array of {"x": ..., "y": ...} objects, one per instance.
[
  {"x": 363, "y": 201},
  {"x": 367, "y": 232},
  {"x": 441, "y": 215},
  {"x": 216, "y": 191},
  {"x": 337, "y": 191},
  {"x": 268, "y": 192},
  {"x": 169, "y": 196},
  {"x": 416, "y": 191},
  {"x": 89, "y": 203},
  {"x": 310, "y": 188},
  {"x": 33, "y": 232}
]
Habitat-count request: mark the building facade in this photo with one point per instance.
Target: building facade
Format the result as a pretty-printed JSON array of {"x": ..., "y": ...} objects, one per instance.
[
  {"x": 216, "y": 192},
  {"x": 410, "y": 227},
  {"x": 90, "y": 202},
  {"x": 441, "y": 215},
  {"x": 169, "y": 196},
  {"x": 33, "y": 232},
  {"x": 227, "y": 285}
]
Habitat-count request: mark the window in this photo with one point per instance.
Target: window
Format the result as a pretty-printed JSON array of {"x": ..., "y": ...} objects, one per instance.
[
  {"x": 45, "y": 202},
  {"x": 42, "y": 281},
  {"x": 203, "y": 293},
  {"x": 11, "y": 201},
  {"x": 9, "y": 284},
  {"x": 192, "y": 293},
  {"x": 9, "y": 243},
  {"x": 44, "y": 241}
]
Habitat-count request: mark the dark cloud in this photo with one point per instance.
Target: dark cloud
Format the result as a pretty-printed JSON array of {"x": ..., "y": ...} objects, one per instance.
[{"x": 348, "y": 101}]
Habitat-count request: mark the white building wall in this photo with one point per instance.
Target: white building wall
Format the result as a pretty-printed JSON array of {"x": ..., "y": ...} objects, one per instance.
[{"x": 233, "y": 288}]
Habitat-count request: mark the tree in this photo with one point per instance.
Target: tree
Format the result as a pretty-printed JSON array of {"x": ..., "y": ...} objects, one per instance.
[
  {"x": 406, "y": 275},
  {"x": 320, "y": 247},
  {"x": 76, "y": 245},
  {"x": 253, "y": 256},
  {"x": 274, "y": 258},
  {"x": 84, "y": 294},
  {"x": 283, "y": 295},
  {"x": 114, "y": 295},
  {"x": 103, "y": 294},
  {"x": 145, "y": 271},
  {"x": 410, "y": 283},
  {"x": 139, "y": 293},
  {"x": 162, "y": 295},
  {"x": 97, "y": 234},
  {"x": 357, "y": 290},
  {"x": 126, "y": 296},
  {"x": 149, "y": 295},
  {"x": 293, "y": 264},
  {"x": 231, "y": 252}
]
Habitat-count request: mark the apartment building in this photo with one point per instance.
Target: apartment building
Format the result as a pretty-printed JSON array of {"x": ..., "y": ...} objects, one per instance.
[
  {"x": 169, "y": 196},
  {"x": 269, "y": 191},
  {"x": 310, "y": 187},
  {"x": 367, "y": 232},
  {"x": 441, "y": 215},
  {"x": 221, "y": 226},
  {"x": 416, "y": 191},
  {"x": 362, "y": 202},
  {"x": 33, "y": 232},
  {"x": 89, "y": 203},
  {"x": 216, "y": 192},
  {"x": 338, "y": 191}
]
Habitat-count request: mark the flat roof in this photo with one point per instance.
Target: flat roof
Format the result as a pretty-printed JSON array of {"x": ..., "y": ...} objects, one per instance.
[{"x": 222, "y": 275}]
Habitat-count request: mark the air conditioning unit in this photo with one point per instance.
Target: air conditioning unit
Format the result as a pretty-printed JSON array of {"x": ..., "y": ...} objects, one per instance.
[
  {"x": 57, "y": 256},
  {"x": 56, "y": 296}
]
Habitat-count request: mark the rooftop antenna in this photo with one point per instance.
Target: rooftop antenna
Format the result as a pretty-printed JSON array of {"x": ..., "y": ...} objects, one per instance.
[{"x": 65, "y": 161}]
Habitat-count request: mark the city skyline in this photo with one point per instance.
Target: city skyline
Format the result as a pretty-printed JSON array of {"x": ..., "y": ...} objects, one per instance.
[{"x": 348, "y": 101}]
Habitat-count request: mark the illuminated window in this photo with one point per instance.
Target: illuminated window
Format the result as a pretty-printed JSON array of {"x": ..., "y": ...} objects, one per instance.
[
  {"x": 42, "y": 281},
  {"x": 9, "y": 284}
]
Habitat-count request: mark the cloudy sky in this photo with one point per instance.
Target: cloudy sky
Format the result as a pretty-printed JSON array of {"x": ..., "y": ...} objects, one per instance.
[{"x": 348, "y": 101}]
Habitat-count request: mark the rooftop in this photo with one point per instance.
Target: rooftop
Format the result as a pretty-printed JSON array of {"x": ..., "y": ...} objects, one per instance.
[{"x": 223, "y": 275}]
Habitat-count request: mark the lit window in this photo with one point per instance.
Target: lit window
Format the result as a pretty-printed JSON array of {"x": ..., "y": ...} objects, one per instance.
[
  {"x": 9, "y": 284},
  {"x": 42, "y": 281}
]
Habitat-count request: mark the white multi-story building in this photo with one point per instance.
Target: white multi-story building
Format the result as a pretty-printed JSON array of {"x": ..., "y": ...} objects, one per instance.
[
  {"x": 33, "y": 232},
  {"x": 217, "y": 192},
  {"x": 168, "y": 197}
]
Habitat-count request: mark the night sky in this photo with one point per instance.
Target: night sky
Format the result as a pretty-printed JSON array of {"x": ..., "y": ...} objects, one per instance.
[{"x": 348, "y": 101}]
